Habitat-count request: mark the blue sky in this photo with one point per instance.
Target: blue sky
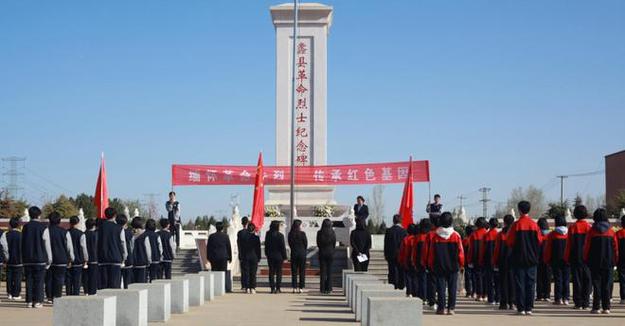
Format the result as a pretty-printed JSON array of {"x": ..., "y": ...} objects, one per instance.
[{"x": 495, "y": 93}]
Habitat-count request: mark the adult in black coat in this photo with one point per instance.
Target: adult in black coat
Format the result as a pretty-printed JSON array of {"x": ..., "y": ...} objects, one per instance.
[
  {"x": 242, "y": 237},
  {"x": 249, "y": 255},
  {"x": 218, "y": 249},
  {"x": 299, "y": 245},
  {"x": 326, "y": 242},
  {"x": 392, "y": 240},
  {"x": 275, "y": 250},
  {"x": 360, "y": 209},
  {"x": 360, "y": 240}
]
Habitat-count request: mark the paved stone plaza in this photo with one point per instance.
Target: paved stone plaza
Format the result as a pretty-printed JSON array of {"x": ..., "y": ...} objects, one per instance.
[{"x": 240, "y": 309}]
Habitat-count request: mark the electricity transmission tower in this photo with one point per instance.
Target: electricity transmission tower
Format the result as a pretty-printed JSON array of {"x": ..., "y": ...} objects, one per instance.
[
  {"x": 14, "y": 171},
  {"x": 484, "y": 200}
]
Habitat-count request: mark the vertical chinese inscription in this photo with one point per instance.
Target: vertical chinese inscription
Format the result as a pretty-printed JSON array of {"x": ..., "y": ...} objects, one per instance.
[{"x": 303, "y": 103}]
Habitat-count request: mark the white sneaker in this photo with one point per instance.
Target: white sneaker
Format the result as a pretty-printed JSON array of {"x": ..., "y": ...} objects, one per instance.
[
  {"x": 10, "y": 297},
  {"x": 38, "y": 305},
  {"x": 29, "y": 304},
  {"x": 253, "y": 291},
  {"x": 521, "y": 313},
  {"x": 566, "y": 302},
  {"x": 529, "y": 313},
  {"x": 605, "y": 312}
]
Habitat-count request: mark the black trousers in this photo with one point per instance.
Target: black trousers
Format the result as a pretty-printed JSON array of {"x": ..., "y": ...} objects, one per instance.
[
  {"x": 127, "y": 276},
  {"x": 298, "y": 269},
  {"x": 525, "y": 285},
  {"x": 490, "y": 284},
  {"x": 139, "y": 274},
  {"x": 602, "y": 288},
  {"x": 581, "y": 285},
  {"x": 430, "y": 289},
  {"x": 35, "y": 276},
  {"x": 14, "y": 280},
  {"x": 621, "y": 281},
  {"x": 395, "y": 273},
  {"x": 248, "y": 274},
  {"x": 275, "y": 274},
  {"x": 412, "y": 287},
  {"x": 244, "y": 282},
  {"x": 111, "y": 276},
  {"x": 360, "y": 267},
  {"x": 154, "y": 270},
  {"x": 73, "y": 281},
  {"x": 325, "y": 269},
  {"x": 422, "y": 285},
  {"x": 91, "y": 278},
  {"x": 478, "y": 281},
  {"x": 219, "y": 265},
  {"x": 561, "y": 279},
  {"x": 506, "y": 288},
  {"x": 165, "y": 271},
  {"x": 543, "y": 282},
  {"x": 55, "y": 279},
  {"x": 175, "y": 232},
  {"x": 446, "y": 286},
  {"x": 468, "y": 281}
]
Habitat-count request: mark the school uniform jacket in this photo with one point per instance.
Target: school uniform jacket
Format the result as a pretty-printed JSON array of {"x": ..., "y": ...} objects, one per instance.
[
  {"x": 62, "y": 248},
  {"x": 620, "y": 237},
  {"x": 487, "y": 251},
  {"x": 426, "y": 249},
  {"x": 445, "y": 254},
  {"x": 574, "y": 254},
  {"x": 601, "y": 247},
  {"x": 419, "y": 246},
  {"x": 501, "y": 256},
  {"x": 524, "y": 239},
  {"x": 156, "y": 246},
  {"x": 79, "y": 243},
  {"x": 14, "y": 246},
  {"x": 392, "y": 240},
  {"x": 36, "y": 248},
  {"x": 130, "y": 246},
  {"x": 405, "y": 252},
  {"x": 465, "y": 247},
  {"x": 555, "y": 247},
  {"x": 169, "y": 246},
  {"x": 91, "y": 239},
  {"x": 142, "y": 253},
  {"x": 476, "y": 241},
  {"x": 111, "y": 244}
]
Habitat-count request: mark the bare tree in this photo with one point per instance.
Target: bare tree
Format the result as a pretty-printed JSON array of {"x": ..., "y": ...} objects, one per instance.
[
  {"x": 532, "y": 194},
  {"x": 377, "y": 204}
]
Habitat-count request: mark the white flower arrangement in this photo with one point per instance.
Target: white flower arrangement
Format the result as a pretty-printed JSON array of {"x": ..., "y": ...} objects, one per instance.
[
  {"x": 273, "y": 211},
  {"x": 323, "y": 211}
]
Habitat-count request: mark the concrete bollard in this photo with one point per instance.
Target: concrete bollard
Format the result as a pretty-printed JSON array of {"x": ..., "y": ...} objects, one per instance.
[
  {"x": 344, "y": 277},
  {"x": 132, "y": 306},
  {"x": 352, "y": 290},
  {"x": 361, "y": 312},
  {"x": 179, "y": 294},
  {"x": 394, "y": 311},
  {"x": 159, "y": 299},
  {"x": 196, "y": 289},
  {"x": 350, "y": 277},
  {"x": 209, "y": 286},
  {"x": 84, "y": 311},
  {"x": 358, "y": 294},
  {"x": 220, "y": 283}
]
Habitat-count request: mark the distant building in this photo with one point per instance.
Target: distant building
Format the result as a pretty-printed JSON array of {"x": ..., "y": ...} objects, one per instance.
[{"x": 614, "y": 175}]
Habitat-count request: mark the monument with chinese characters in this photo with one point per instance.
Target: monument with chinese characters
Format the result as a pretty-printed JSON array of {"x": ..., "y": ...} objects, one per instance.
[{"x": 311, "y": 101}]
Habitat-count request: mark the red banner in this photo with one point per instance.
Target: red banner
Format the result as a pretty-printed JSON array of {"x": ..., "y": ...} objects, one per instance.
[{"x": 350, "y": 174}]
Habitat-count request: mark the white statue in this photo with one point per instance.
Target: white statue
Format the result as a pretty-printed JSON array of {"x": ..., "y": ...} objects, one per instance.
[
  {"x": 567, "y": 215},
  {"x": 126, "y": 211},
  {"x": 463, "y": 215},
  {"x": 135, "y": 213},
  {"x": 25, "y": 218},
  {"x": 622, "y": 212},
  {"x": 81, "y": 220},
  {"x": 233, "y": 230},
  {"x": 512, "y": 212}
]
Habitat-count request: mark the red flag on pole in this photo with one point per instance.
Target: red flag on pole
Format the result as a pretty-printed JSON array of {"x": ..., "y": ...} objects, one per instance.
[
  {"x": 258, "y": 208},
  {"x": 407, "y": 202},
  {"x": 101, "y": 197}
]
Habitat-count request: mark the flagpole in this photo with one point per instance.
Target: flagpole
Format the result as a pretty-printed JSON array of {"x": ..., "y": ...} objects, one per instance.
[{"x": 289, "y": 220}]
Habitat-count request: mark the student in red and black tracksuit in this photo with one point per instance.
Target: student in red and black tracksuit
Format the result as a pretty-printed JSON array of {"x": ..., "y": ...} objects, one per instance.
[
  {"x": 91, "y": 276},
  {"x": 14, "y": 261},
  {"x": 501, "y": 263},
  {"x": 418, "y": 253},
  {"x": 574, "y": 256},
  {"x": 112, "y": 251},
  {"x": 127, "y": 270},
  {"x": 469, "y": 287},
  {"x": 620, "y": 237},
  {"x": 62, "y": 256},
  {"x": 169, "y": 249},
  {"x": 491, "y": 277},
  {"x": 142, "y": 252},
  {"x": 36, "y": 257},
  {"x": 553, "y": 255},
  {"x": 524, "y": 240},
  {"x": 543, "y": 274},
  {"x": 601, "y": 255},
  {"x": 476, "y": 241},
  {"x": 81, "y": 256},
  {"x": 445, "y": 260},
  {"x": 430, "y": 286},
  {"x": 405, "y": 261}
]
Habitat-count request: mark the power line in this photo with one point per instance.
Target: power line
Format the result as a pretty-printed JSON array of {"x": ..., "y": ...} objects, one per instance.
[
  {"x": 485, "y": 200},
  {"x": 584, "y": 174}
]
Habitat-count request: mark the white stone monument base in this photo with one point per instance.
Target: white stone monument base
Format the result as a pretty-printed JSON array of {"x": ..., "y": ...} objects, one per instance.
[
  {"x": 395, "y": 311},
  {"x": 196, "y": 289},
  {"x": 362, "y": 287},
  {"x": 220, "y": 283},
  {"x": 179, "y": 294},
  {"x": 159, "y": 300},
  {"x": 84, "y": 311},
  {"x": 361, "y": 315},
  {"x": 209, "y": 285},
  {"x": 132, "y": 306},
  {"x": 355, "y": 283}
]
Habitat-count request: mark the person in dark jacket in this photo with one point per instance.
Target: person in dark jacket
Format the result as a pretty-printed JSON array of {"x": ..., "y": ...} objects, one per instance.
[
  {"x": 469, "y": 286},
  {"x": 543, "y": 272},
  {"x": 524, "y": 240},
  {"x": 501, "y": 263},
  {"x": 275, "y": 251},
  {"x": 142, "y": 251},
  {"x": 299, "y": 248},
  {"x": 434, "y": 209},
  {"x": 156, "y": 248},
  {"x": 392, "y": 240},
  {"x": 360, "y": 209},
  {"x": 218, "y": 249},
  {"x": 36, "y": 257},
  {"x": 360, "y": 241},
  {"x": 419, "y": 258},
  {"x": 553, "y": 256},
  {"x": 476, "y": 243},
  {"x": 122, "y": 220},
  {"x": 404, "y": 258},
  {"x": 620, "y": 237},
  {"x": 249, "y": 255},
  {"x": 326, "y": 242},
  {"x": 112, "y": 251},
  {"x": 81, "y": 257},
  {"x": 169, "y": 249},
  {"x": 241, "y": 238},
  {"x": 91, "y": 276},
  {"x": 491, "y": 277},
  {"x": 4, "y": 250},
  {"x": 14, "y": 261},
  {"x": 62, "y": 256},
  {"x": 601, "y": 254},
  {"x": 445, "y": 260},
  {"x": 574, "y": 256}
]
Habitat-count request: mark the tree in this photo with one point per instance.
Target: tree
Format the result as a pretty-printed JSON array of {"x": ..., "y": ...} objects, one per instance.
[
  {"x": 459, "y": 226},
  {"x": 62, "y": 205},
  {"x": 532, "y": 194},
  {"x": 10, "y": 207},
  {"x": 377, "y": 204},
  {"x": 557, "y": 209},
  {"x": 85, "y": 202}
]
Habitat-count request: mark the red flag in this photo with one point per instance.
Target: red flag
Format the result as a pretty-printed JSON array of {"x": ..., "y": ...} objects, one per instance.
[
  {"x": 101, "y": 197},
  {"x": 407, "y": 202},
  {"x": 258, "y": 208}
]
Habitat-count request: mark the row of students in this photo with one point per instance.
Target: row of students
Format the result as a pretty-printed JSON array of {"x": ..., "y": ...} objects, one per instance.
[{"x": 52, "y": 257}]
